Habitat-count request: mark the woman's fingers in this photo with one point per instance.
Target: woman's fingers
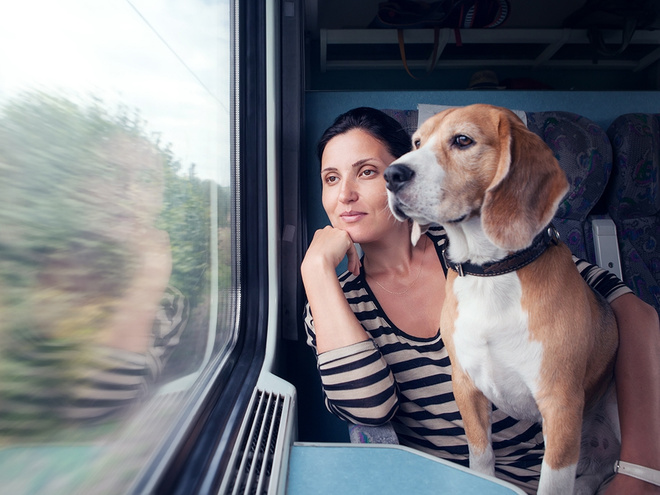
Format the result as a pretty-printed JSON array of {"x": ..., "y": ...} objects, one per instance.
[
  {"x": 331, "y": 245},
  {"x": 353, "y": 260}
]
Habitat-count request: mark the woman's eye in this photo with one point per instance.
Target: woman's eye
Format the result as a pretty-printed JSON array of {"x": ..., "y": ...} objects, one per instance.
[
  {"x": 368, "y": 172},
  {"x": 462, "y": 141},
  {"x": 331, "y": 179}
]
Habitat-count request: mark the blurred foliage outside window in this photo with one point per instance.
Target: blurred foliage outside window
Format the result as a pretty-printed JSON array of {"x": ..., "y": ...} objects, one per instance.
[{"x": 97, "y": 219}]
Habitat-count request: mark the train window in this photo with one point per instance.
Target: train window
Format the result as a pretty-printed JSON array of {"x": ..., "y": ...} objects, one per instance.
[{"x": 119, "y": 280}]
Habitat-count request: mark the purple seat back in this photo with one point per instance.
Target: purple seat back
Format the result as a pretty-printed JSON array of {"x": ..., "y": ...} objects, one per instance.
[{"x": 633, "y": 201}]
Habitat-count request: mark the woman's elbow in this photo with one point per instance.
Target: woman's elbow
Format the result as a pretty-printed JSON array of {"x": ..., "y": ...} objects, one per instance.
[{"x": 368, "y": 413}]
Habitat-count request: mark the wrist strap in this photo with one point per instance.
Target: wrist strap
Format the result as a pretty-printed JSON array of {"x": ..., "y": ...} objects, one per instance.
[{"x": 636, "y": 471}]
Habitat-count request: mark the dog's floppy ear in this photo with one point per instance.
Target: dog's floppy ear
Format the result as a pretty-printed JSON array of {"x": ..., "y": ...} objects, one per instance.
[{"x": 526, "y": 190}]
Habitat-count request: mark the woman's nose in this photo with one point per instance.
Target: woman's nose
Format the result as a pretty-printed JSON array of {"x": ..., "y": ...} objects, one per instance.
[{"x": 348, "y": 192}]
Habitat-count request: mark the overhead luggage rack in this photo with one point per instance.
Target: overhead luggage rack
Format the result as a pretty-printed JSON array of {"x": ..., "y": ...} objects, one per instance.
[{"x": 562, "y": 48}]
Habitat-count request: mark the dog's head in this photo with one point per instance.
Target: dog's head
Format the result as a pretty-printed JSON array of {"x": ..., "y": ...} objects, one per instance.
[{"x": 478, "y": 161}]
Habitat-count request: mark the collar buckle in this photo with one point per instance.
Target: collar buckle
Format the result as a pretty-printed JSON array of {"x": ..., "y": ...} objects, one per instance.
[
  {"x": 457, "y": 267},
  {"x": 553, "y": 234}
]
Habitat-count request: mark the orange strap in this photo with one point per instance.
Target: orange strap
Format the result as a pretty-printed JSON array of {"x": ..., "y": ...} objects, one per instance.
[{"x": 434, "y": 55}]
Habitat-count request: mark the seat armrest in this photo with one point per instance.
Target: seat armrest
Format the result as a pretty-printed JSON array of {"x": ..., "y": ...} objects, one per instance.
[{"x": 606, "y": 244}]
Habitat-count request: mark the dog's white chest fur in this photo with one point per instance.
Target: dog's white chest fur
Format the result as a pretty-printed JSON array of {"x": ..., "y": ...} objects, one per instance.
[{"x": 493, "y": 343}]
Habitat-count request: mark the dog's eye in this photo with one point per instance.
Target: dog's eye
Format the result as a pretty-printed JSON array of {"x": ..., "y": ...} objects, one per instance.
[
  {"x": 417, "y": 143},
  {"x": 462, "y": 141}
]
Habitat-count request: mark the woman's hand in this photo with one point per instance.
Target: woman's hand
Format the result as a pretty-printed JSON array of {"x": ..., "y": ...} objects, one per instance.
[{"x": 327, "y": 250}]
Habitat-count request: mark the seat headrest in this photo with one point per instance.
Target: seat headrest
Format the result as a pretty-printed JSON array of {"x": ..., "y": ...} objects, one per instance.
[{"x": 635, "y": 186}]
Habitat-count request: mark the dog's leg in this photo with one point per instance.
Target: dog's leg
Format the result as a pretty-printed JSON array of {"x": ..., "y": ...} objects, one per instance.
[
  {"x": 562, "y": 424},
  {"x": 475, "y": 410},
  {"x": 601, "y": 442},
  {"x": 473, "y": 405}
]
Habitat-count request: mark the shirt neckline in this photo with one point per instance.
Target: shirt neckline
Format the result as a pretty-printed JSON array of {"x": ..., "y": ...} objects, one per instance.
[{"x": 381, "y": 312}]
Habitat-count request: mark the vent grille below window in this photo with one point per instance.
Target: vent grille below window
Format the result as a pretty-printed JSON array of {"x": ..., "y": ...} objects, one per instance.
[{"x": 259, "y": 462}]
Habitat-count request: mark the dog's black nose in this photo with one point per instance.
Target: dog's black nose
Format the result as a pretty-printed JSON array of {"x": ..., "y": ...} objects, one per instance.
[{"x": 397, "y": 175}]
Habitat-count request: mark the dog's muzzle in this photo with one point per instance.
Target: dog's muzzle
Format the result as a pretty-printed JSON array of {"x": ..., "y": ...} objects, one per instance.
[{"x": 397, "y": 176}]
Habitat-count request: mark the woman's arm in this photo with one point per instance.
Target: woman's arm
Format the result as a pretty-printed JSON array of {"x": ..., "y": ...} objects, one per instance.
[
  {"x": 335, "y": 324},
  {"x": 637, "y": 373},
  {"x": 357, "y": 382}
]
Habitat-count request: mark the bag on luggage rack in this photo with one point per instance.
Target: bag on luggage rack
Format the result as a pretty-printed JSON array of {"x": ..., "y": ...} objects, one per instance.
[
  {"x": 627, "y": 16},
  {"x": 456, "y": 14}
]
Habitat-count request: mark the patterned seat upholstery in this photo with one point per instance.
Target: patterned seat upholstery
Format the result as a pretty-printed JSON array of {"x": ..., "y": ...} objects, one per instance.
[
  {"x": 407, "y": 118},
  {"x": 633, "y": 201},
  {"x": 584, "y": 153}
]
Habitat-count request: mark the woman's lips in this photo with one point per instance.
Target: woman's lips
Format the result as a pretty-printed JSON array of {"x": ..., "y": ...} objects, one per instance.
[{"x": 352, "y": 216}]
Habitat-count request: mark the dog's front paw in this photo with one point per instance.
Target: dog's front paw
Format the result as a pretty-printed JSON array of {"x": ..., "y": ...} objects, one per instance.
[{"x": 483, "y": 462}]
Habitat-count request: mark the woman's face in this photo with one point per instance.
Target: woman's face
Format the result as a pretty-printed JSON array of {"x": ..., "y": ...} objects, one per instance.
[{"x": 354, "y": 194}]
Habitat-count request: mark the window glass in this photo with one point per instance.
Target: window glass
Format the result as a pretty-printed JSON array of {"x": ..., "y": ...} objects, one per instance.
[{"x": 116, "y": 273}]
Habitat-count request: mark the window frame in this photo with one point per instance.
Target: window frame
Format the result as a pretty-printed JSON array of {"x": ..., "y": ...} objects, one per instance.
[{"x": 200, "y": 459}]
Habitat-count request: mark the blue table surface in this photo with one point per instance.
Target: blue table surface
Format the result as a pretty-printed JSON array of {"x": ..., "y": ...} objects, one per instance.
[{"x": 363, "y": 469}]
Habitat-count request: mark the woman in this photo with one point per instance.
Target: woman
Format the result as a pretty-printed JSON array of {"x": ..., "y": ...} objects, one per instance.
[{"x": 375, "y": 331}]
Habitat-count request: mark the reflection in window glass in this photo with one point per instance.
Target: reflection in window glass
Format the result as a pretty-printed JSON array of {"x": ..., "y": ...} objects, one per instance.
[{"x": 115, "y": 233}]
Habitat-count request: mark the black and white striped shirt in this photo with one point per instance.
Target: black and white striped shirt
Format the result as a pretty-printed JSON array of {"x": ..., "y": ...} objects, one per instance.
[{"x": 396, "y": 377}]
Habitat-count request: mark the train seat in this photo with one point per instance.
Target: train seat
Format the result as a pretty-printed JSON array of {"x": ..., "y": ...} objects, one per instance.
[{"x": 633, "y": 201}]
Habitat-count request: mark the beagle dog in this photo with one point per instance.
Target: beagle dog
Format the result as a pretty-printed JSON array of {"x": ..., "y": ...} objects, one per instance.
[{"x": 522, "y": 328}]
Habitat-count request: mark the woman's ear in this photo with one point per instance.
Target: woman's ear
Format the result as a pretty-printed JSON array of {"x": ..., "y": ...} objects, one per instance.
[{"x": 526, "y": 190}]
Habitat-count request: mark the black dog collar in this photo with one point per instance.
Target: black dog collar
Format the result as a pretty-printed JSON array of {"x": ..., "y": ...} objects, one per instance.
[{"x": 512, "y": 262}]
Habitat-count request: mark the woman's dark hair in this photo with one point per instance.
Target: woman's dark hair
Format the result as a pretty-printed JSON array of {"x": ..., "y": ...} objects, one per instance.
[{"x": 380, "y": 125}]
